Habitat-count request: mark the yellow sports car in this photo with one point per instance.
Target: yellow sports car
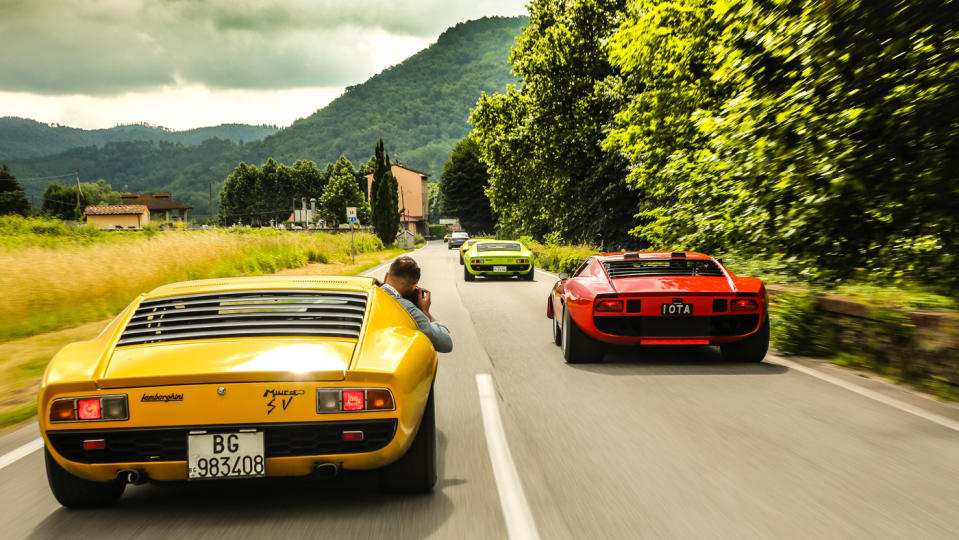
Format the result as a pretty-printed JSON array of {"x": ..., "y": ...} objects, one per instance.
[
  {"x": 466, "y": 245},
  {"x": 242, "y": 377}
]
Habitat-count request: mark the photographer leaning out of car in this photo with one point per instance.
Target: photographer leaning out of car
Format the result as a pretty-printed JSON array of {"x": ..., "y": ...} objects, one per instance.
[{"x": 402, "y": 283}]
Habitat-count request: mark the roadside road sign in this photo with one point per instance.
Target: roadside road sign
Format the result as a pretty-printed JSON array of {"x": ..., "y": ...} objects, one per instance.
[
  {"x": 350, "y": 212},
  {"x": 448, "y": 221}
]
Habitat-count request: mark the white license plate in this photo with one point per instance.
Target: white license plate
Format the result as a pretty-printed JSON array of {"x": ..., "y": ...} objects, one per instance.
[
  {"x": 225, "y": 455},
  {"x": 499, "y": 268},
  {"x": 677, "y": 309}
]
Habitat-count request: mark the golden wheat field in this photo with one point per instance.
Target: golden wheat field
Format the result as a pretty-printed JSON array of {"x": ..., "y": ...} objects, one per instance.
[{"x": 54, "y": 286}]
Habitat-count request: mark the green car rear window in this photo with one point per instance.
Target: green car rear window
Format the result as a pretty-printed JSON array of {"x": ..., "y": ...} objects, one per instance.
[{"x": 499, "y": 246}]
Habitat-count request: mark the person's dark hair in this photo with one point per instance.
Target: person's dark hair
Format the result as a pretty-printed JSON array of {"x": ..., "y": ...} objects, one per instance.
[{"x": 405, "y": 268}]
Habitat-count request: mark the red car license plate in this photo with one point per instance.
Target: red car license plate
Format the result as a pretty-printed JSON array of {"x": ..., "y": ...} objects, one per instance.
[{"x": 677, "y": 309}]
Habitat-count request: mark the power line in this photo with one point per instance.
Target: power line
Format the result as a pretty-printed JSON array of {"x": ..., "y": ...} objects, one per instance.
[{"x": 45, "y": 177}]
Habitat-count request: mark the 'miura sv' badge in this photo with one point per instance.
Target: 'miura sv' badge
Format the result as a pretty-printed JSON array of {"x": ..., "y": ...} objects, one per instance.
[
  {"x": 172, "y": 396},
  {"x": 285, "y": 396}
]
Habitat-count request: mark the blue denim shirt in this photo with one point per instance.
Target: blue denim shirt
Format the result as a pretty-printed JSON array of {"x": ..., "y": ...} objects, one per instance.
[{"x": 438, "y": 333}]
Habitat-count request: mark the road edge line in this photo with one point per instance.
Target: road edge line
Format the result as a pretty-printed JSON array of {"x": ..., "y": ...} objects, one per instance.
[
  {"x": 20, "y": 452},
  {"x": 516, "y": 511},
  {"x": 876, "y": 396}
]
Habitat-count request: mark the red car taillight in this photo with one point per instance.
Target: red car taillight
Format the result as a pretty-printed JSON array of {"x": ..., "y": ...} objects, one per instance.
[
  {"x": 743, "y": 304},
  {"x": 609, "y": 306},
  {"x": 354, "y": 400},
  {"x": 335, "y": 400},
  {"x": 89, "y": 409}
]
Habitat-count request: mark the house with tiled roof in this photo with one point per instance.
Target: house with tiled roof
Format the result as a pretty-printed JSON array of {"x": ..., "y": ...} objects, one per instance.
[
  {"x": 161, "y": 205},
  {"x": 118, "y": 216},
  {"x": 411, "y": 198}
]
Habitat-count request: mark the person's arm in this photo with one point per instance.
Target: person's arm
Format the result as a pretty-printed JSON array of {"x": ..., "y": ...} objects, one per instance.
[{"x": 438, "y": 333}]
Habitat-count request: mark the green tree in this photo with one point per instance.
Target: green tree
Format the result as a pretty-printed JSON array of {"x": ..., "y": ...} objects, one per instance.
[
  {"x": 462, "y": 186},
  {"x": 239, "y": 195},
  {"x": 100, "y": 192},
  {"x": 541, "y": 142},
  {"x": 61, "y": 202},
  {"x": 343, "y": 191},
  {"x": 435, "y": 201},
  {"x": 257, "y": 196},
  {"x": 12, "y": 198},
  {"x": 384, "y": 193},
  {"x": 823, "y": 133},
  {"x": 665, "y": 54}
]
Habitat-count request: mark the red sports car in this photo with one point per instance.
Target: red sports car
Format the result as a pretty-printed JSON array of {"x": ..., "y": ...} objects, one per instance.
[{"x": 658, "y": 298}]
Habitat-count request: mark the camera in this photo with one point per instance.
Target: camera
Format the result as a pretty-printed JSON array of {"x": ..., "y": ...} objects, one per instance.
[{"x": 414, "y": 295}]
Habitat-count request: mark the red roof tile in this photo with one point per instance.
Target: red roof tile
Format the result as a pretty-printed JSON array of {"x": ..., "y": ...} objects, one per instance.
[{"x": 115, "y": 210}]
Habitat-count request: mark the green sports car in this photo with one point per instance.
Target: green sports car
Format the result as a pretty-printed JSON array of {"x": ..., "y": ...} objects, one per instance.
[{"x": 497, "y": 258}]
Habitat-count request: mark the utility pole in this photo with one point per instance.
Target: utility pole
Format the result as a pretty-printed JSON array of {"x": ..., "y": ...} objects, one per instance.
[
  {"x": 78, "y": 213},
  {"x": 211, "y": 200}
]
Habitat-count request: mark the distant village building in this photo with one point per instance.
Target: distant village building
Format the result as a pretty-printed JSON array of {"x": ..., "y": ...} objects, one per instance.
[
  {"x": 161, "y": 205},
  {"x": 412, "y": 200},
  {"x": 118, "y": 216}
]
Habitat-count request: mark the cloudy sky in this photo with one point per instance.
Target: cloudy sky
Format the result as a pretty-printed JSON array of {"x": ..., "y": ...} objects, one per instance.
[{"x": 191, "y": 63}]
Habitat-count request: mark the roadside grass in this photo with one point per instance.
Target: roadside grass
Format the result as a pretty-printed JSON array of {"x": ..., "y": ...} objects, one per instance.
[
  {"x": 558, "y": 258},
  {"x": 23, "y": 361},
  {"x": 58, "y": 284},
  {"x": 935, "y": 386}
]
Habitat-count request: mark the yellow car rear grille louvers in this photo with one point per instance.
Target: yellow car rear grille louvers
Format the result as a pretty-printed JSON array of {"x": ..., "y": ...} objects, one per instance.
[{"x": 293, "y": 313}]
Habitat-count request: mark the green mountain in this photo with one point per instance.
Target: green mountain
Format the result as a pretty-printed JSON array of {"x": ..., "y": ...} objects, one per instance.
[
  {"x": 419, "y": 107},
  {"x": 21, "y": 137}
]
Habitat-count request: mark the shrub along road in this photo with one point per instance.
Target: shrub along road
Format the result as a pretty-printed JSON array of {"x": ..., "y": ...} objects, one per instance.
[{"x": 666, "y": 444}]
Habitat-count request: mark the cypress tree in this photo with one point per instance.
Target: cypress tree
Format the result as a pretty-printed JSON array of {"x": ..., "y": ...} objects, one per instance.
[{"x": 383, "y": 197}]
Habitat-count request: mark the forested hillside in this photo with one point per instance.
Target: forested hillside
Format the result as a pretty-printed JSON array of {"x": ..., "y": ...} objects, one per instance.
[
  {"x": 22, "y": 138},
  {"x": 136, "y": 166},
  {"x": 419, "y": 107}
]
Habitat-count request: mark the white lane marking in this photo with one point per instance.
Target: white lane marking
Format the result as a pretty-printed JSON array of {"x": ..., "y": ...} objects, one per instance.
[
  {"x": 892, "y": 402},
  {"x": 548, "y": 273},
  {"x": 23, "y": 451},
  {"x": 516, "y": 511}
]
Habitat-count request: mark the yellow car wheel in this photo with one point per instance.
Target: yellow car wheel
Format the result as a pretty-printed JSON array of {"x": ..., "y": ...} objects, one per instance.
[
  {"x": 74, "y": 492},
  {"x": 415, "y": 472}
]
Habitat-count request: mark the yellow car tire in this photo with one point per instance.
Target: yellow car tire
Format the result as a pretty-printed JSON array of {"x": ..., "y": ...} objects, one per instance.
[
  {"x": 74, "y": 492},
  {"x": 415, "y": 472}
]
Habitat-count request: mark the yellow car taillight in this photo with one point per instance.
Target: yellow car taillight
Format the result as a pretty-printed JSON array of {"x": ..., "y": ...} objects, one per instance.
[
  {"x": 90, "y": 409},
  {"x": 336, "y": 400}
]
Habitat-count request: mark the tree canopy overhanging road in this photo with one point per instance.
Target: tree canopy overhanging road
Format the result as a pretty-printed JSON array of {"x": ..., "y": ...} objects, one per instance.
[{"x": 660, "y": 444}]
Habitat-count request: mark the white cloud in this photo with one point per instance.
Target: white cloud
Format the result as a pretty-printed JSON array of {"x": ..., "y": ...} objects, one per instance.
[
  {"x": 176, "y": 108},
  {"x": 98, "y": 62}
]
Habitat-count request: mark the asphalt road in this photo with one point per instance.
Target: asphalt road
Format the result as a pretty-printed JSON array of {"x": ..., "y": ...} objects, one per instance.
[{"x": 664, "y": 444}]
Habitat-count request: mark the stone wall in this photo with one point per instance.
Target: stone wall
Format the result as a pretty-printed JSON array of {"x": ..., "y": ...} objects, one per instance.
[{"x": 912, "y": 345}]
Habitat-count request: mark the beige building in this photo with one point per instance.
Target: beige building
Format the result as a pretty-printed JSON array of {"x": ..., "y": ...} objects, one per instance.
[
  {"x": 412, "y": 200},
  {"x": 120, "y": 216}
]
